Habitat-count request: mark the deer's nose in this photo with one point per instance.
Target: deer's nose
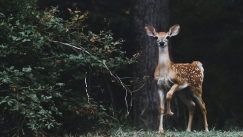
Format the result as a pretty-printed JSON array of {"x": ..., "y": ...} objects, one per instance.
[{"x": 162, "y": 43}]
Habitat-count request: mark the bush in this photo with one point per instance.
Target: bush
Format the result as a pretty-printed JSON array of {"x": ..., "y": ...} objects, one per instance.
[{"x": 47, "y": 71}]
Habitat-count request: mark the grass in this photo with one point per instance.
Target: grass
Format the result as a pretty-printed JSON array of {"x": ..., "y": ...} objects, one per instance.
[{"x": 141, "y": 133}]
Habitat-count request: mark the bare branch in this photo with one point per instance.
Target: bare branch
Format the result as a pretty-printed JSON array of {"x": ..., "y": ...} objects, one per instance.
[
  {"x": 118, "y": 79},
  {"x": 70, "y": 45},
  {"x": 86, "y": 87}
]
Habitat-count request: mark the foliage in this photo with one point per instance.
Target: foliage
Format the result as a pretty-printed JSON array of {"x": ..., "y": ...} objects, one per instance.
[{"x": 46, "y": 62}]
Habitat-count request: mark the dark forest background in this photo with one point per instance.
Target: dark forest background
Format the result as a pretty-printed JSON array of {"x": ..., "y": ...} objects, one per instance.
[{"x": 211, "y": 32}]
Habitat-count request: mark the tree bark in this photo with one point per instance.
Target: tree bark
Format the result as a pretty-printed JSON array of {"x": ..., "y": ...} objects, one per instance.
[{"x": 146, "y": 103}]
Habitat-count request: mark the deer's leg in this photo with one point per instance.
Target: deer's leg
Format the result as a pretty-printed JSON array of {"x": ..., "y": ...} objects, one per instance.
[
  {"x": 169, "y": 96},
  {"x": 191, "y": 113},
  {"x": 161, "y": 111},
  {"x": 191, "y": 106},
  {"x": 204, "y": 111}
]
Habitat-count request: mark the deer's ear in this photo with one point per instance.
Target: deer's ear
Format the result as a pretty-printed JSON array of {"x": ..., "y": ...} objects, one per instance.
[
  {"x": 174, "y": 30},
  {"x": 150, "y": 30}
]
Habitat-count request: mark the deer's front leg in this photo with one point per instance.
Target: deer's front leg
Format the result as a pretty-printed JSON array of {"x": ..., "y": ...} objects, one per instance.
[
  {"x": 169, "y": 96},
  {"x": 161, "y": 111}
]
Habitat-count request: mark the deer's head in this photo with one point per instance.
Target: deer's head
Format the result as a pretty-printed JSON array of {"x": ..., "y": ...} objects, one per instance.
[{"x": 162, "y": 37}]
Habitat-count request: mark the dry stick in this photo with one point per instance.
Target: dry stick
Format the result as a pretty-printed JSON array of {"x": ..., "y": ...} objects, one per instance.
[
  {"x": 86, "y": 87},
  {"x": 67, "y": 44},
  {"x": 123, "y": 85},
  {"x": 112, "y": 74}
]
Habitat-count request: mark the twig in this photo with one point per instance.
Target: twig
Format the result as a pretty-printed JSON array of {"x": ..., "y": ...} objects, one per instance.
[
  {"x": 67, "y": 44},
  {"x": 123, "y": 85},
  {"x": 111, "y": 73},
  {"x": 86, "y": 87}
]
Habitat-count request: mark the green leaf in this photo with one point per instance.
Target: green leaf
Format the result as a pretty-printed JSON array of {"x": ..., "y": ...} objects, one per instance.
[{"x": 27, "y": 69}]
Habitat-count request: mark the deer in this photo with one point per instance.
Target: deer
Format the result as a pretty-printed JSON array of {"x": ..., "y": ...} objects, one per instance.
[{"x": 171, "y": 77}]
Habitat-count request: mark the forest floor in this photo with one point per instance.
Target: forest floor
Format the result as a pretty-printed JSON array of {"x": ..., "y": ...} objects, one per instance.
[{"x": 140, "y": 133}]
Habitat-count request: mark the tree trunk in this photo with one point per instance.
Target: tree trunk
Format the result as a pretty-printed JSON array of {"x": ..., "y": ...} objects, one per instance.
[{"x": 146, "y": 103}]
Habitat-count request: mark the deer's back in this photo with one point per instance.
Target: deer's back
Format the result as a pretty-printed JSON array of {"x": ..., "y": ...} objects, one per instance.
[{"x": 192, "y": 74}]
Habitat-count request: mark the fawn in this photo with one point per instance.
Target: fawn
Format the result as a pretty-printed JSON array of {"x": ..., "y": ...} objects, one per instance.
[{"x": 179, "y": 75}]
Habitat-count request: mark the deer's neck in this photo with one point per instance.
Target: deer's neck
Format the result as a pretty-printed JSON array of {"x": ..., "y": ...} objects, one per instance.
[{"x": 164, "y": 62}]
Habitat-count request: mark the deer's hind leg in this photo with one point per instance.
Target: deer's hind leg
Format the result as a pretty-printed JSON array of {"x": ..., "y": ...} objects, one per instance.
[
  {"x": 202, "y": 106},
  {"x": 184, "y": 95}
]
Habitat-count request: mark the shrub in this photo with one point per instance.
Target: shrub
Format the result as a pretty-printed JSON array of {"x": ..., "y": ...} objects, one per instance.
[{"x": 46, "y": 62}]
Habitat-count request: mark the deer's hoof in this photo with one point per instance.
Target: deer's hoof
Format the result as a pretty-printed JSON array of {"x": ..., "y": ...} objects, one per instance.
[
  {"x": 170, "y": 113},
  {"x": 161, "y": 132}
]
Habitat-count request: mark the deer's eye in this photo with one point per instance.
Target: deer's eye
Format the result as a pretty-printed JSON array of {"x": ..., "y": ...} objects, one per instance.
[
  {"x": 167, "y": 37},
  {"x": 156, "y": 37}
]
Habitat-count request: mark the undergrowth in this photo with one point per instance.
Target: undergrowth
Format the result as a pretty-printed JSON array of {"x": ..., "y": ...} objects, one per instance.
[{"x": 151, "y": 133}]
